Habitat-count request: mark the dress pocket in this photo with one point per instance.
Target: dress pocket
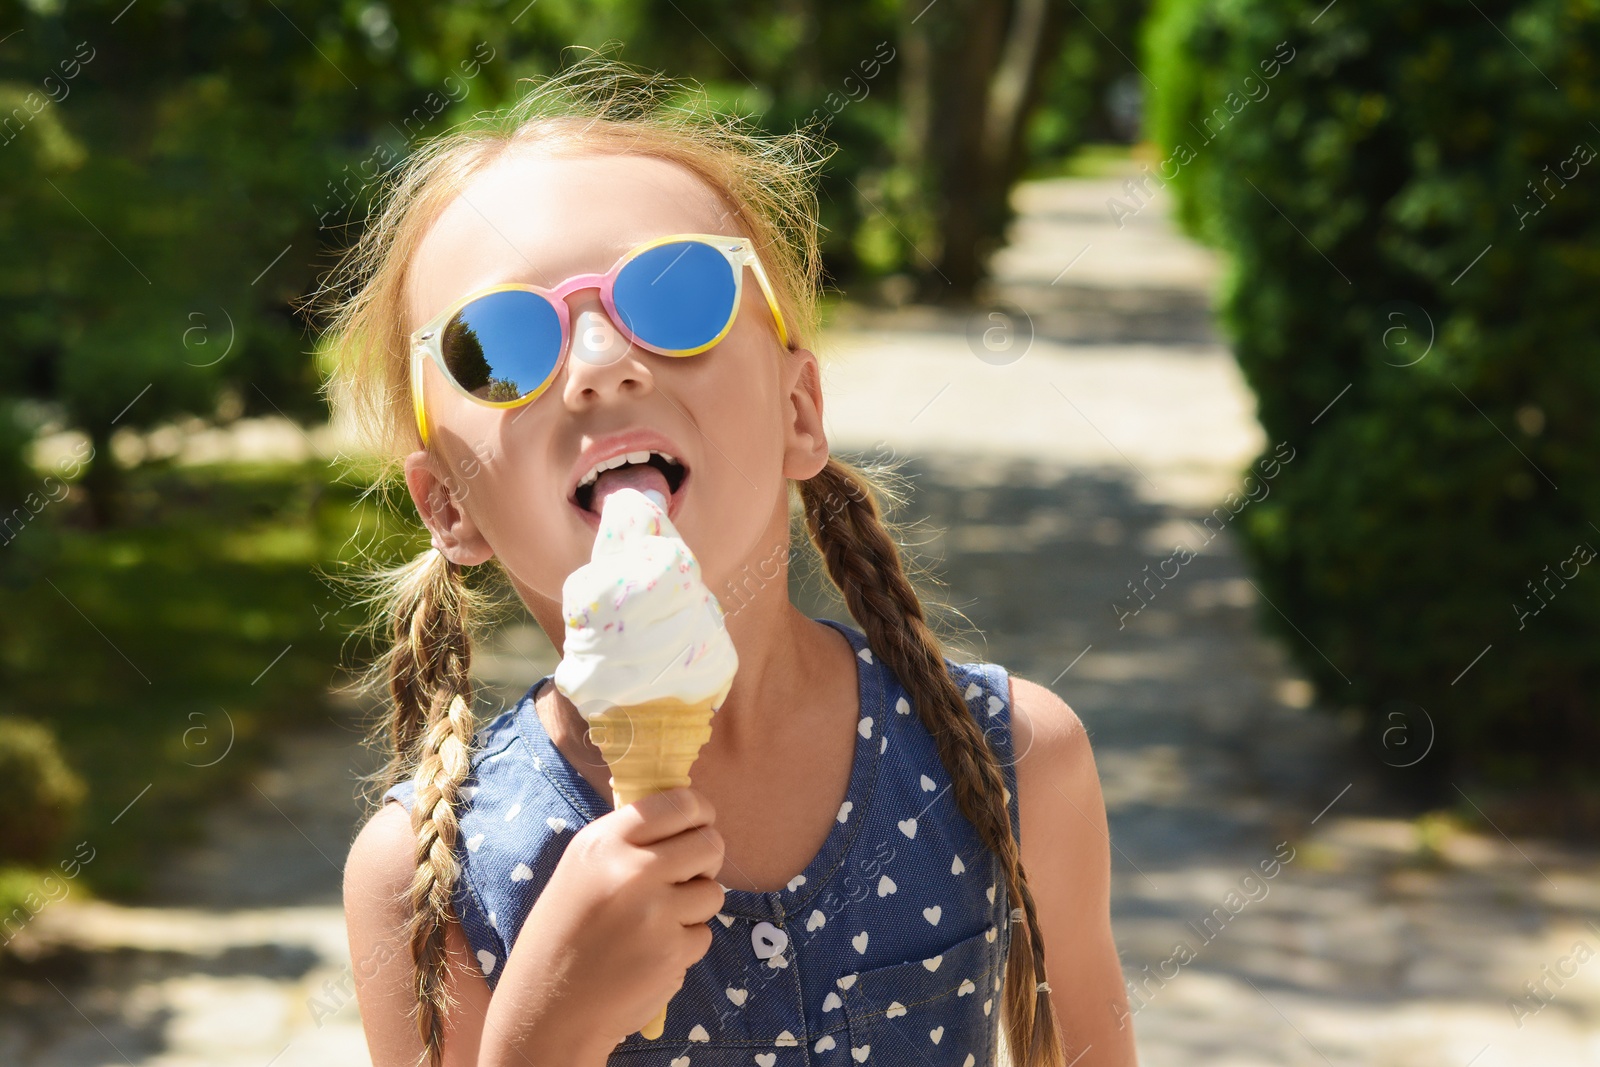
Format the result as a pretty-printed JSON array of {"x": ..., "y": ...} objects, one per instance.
[{"x": 940, "y": 1010}]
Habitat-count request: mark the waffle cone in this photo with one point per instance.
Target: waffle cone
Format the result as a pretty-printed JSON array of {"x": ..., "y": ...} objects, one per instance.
[{"x": 650, "y": 747}]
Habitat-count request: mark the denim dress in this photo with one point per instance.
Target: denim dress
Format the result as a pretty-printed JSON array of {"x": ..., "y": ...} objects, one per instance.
[{"x": 888, "y": 949}]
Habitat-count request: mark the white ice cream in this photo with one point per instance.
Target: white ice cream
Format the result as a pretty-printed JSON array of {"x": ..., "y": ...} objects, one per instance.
[{"x": 640, "y": 623}]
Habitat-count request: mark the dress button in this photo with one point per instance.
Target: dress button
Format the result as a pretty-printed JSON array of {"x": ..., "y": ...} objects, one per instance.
[{"x": 768, "y": 940}]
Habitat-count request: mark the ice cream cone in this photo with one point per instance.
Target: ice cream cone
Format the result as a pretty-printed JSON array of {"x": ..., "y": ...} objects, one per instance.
[
  {"x": 647, "y": 656},
  {"x": 650, "y": 748}
]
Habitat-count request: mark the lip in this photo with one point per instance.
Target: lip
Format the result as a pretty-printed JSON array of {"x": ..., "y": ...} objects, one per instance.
[{"x": 617, "y": 444}]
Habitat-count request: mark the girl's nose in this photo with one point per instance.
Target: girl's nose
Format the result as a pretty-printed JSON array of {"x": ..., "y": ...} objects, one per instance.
[
  {"x": 596, "y": 339},
  {"x": 602, "y": 361}
]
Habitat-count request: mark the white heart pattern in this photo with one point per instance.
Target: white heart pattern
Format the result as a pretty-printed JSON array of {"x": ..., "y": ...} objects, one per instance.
[
  {"x": 990, "y": 934},
  {"x": 987, "y": 1005},
  {"x": 965, "y": 987},
  {"x": 860, "y": 1054},
  {"x": 816, "y": 920},
  {"x": 995, "y": 704},
  {"x": 556, "y": 824},
  {"x": 864, "y": 727},
  {"x": 935, "y": 1034},
  {"x": 956, "y": 866},
  {"x": 969, "y": 1061},
  {"x": 766, "y": 1059},
  {"x": 932, "y": 962},
  {"x": 469, "y": 792},
  {"x": 908, "y": 826},
  {"x": 796, "y": 882},
  {"x": 824, "y": 1043},
  {"x": 785, "y": 1040},
  {"x": 860, "y": 942},
  {"x": 1005, "y": 795},
  {"x": 932, "y": 914},
  {"x": 738, "y": 996},
  {"x": 866, "y": 654},
  {"x": 726, "y": 920},
  {"x": 894, "y": 1010},
  {"x": 883, "y": 743},
  {"x": 991, "y": 892},
  {"x": 831, "y": 1002},
  {"x": 521, "y": 873},
  {"x": 972, "y": 690},
  {"x": 886, "y": 886},
  {"x": 492, "y": 921},
  {"x": 778, "y": 961},
  {"x": 486, "y": 962},
  {"x": 513, "y": 811},
  {"x": 698, "y": 1033},
  {"x": 681, "y": 1061},
  {"x": 902, "y": 706},
  {"x": 928, "y": 785},
  {"x": 844, "y": 810},
  {"x": 473, "y": 842},
  {"x": 849, "y": 980}
]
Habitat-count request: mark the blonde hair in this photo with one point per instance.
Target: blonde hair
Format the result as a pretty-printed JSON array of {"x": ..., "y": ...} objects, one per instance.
[{"x": 767, "y": 181}]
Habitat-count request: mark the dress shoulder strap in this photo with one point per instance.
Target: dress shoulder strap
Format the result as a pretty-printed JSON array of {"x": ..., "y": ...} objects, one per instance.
[{"x": 986, "y": 687}]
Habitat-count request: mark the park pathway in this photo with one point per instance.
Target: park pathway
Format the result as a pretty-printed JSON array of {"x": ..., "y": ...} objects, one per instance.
[{"x": 1053, "y": 452}]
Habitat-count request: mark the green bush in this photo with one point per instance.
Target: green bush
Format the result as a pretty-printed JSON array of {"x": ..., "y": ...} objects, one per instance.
[
  {"x": 1410, "y": 209},
  {"x": 39, "y": 793}
]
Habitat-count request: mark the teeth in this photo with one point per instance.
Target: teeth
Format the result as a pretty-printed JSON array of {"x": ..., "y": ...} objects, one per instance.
[{"x": 623, "y": 460}]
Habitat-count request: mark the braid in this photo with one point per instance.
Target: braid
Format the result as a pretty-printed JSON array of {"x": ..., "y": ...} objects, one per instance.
[
  {"x": 432, "y": 700},
  {"x": 864, "y": 562}
]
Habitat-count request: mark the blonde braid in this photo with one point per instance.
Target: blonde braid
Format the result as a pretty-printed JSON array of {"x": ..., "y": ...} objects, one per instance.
[
  {"x": 864, "y": 561},
  {"x": 432, "y": 706}
]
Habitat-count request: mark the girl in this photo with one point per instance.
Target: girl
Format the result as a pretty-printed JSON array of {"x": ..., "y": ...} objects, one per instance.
[{"x": 603, "y": 278}]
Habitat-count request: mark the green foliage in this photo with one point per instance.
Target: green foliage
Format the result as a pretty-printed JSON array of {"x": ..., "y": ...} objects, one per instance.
[
  {"x": 167, "y": 651},
  {"x": 1411, "y": 211},
  {"x": 39, "y": 793}
]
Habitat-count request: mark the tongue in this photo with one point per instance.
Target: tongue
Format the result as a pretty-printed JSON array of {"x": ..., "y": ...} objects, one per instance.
[{"x": 640, "y": 476}]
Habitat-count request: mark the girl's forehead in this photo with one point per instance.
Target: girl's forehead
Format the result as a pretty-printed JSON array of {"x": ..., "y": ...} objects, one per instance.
[{"x": 541, "y": 218}]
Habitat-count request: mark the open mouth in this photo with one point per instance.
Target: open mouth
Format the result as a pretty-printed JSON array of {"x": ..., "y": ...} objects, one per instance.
[{"x": 643, "y": 470}]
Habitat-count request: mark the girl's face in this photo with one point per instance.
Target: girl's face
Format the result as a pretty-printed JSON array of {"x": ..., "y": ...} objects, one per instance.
[{"x": 742, "y": 417}]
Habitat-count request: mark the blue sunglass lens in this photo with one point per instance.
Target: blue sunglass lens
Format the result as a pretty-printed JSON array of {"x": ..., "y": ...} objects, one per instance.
[
  {"x": 503, "y": 346},
  {"x": 676, "y": 296}
]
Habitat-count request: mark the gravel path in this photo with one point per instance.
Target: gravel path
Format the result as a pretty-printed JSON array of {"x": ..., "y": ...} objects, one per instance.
[{"x": 1055, "y": 454}]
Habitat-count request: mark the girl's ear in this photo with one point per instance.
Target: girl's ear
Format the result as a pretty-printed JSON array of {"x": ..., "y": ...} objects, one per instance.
[
  {"x": 805, "y": 442},
  {"x": 439, "y": 504}
]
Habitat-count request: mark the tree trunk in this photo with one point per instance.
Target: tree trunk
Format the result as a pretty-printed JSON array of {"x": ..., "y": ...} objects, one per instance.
[
  {"x": 974, "y": 73},
  {"x": 102, "y": 482}
]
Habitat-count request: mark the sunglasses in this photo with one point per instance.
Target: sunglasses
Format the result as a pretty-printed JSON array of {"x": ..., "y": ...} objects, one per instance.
[{"x": 502, "y": 346}]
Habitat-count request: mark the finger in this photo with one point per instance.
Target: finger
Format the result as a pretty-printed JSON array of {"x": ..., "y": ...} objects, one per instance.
[
  {"x": 694, "y": 853},
  {"x": 697, "y": 900},
  {"x": 663, "y": 815}
]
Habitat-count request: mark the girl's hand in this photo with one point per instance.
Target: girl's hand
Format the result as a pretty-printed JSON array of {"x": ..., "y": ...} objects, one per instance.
[{"x": 625, "y": 914}]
